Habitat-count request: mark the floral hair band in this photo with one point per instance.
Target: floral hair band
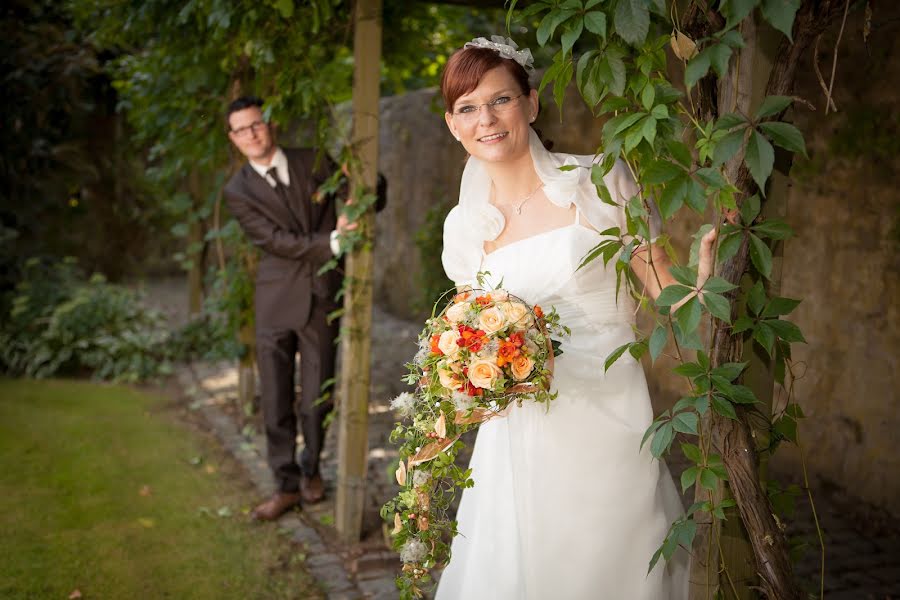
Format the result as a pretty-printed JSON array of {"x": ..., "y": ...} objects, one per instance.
[{"x": 506, "y": 48}]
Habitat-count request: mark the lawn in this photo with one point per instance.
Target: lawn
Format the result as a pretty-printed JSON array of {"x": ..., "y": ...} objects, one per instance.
[{"x": 105, "y": 493}]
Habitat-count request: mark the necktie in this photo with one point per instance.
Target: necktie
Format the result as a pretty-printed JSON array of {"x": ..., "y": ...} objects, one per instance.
[{"x": 279, "y": 187}]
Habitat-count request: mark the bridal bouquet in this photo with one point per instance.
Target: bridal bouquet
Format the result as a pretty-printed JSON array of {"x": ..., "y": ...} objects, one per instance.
[{"x": 484, "y": 351}]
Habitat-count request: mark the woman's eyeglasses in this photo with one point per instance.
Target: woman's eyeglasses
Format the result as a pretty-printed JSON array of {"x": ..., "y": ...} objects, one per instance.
[{"x": 469, "y": 112}]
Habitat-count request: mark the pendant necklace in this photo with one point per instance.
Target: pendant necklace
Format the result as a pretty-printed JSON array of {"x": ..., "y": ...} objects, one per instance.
[{"x": 518, "y": 207}]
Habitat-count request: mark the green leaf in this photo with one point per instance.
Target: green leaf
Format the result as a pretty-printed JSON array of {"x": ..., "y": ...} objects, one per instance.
[
  {"x": 730, "y": 121},
  {"x": 672, "y": 294},
  {"x": 756, "y": 297},
  {"x": 764, "y": 336},
  {"x": 780, "y": 306},
  {"x": 750, "y": 209},
  {"x": 660, "y": 171},
  {"x": 678, "y": 150},
  {"x": 728, "y": 146},
  {"x": 688, "y": 477},
  {"x": 719, "y": 54},
  {"x": 718, "y": 285},
  {"x": 708, "y": 479},
  {"x": 648, "y": 95},
  {"x": 653, "y": 427},
  {"x": 648, "y": 129},
  {"x": 786, "y": 427},
  {"x": 772, "y": 105},
  {"x": 549, "y": 24},
  {"x": 285, "y": 7},
  {"x": 773, "y": 228},
  {"x": 662, "y": 439},
  {"x": 786, "y": 330},
  {"x": 711, "y": 177},
  {"x": 735, "y": 10},
  {"x": 685, "y": 422},
  {"x": 761, "y": 256},
  {"x": 785, "y": 135},
  {"x": 694, "y": 196},
  {"x": 685, "y": 531},
  {"x": 689, "y": 369},
  {"x": 733, "y": 38},
  {"x": 729, "y": 245},
  {"x": 595, "y": 22},
  {"x": 688, "y": 315},
  {"x": 615, "y": 72},
  {"x": 696, "y": 69},
  {"x": 742, "y": 324},
  {"x": 780, "y": 14},
  {"x": 632, "y": 21},
  {"x": 571, "y": 34},
  {"x": 718, "y": 306},
  {"x": 658, "y": 341},
  {"x": 692, "y": 452},
  {"x": 612, "y": 358},
  {"x": 622, "y": 122},
  {"x": 559, "y": 86},
  {"x": 759, "y": 158},
  {"x": 684, "y": 275},
  {"x": 672, "y": 197},
  {"x": 723, "y": 407}
]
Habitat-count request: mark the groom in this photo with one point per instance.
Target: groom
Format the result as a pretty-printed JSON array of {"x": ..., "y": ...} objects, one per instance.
[{"x": 272, "y": 197}]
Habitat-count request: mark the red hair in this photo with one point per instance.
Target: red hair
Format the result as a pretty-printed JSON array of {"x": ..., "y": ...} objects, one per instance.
[{"x": 467, "y": 66}]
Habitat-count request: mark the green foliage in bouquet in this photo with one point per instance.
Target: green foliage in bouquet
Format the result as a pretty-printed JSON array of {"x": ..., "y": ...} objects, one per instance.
[{"x": 483, "y": 352}]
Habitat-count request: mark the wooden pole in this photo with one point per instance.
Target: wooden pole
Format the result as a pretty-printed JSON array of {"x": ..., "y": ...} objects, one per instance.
[{"x": 357, "y": 320}]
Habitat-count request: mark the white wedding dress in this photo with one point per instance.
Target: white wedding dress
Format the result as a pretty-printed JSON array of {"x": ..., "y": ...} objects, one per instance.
[{"x": 566, "y": 506}]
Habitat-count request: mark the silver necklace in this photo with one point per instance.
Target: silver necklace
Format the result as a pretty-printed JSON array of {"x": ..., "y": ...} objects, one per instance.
[{"x": 518, "y": 207}]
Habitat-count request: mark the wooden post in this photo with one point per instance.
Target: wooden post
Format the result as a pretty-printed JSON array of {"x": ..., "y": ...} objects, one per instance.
[{"x": 357, "y": 321}]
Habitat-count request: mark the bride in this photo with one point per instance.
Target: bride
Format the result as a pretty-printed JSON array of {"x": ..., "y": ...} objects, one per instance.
[{"x": 565, "y": 505}]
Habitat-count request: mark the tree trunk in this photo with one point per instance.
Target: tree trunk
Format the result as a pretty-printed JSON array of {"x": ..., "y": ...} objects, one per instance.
[
  {"x": 357, "y": 321},
  {"x": 735, "y": 440}
]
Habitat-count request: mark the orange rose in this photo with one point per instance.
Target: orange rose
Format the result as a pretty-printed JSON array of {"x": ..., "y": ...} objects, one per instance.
[{"x": 521, "y": 367}]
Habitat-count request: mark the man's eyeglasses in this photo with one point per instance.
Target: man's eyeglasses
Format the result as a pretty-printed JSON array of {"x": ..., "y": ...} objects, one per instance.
[
  {"x": 245, "y": 131},
  {"x": 469, "y": 112}
]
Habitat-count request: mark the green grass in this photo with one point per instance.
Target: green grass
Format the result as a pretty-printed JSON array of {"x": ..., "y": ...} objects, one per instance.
[{"x": 74, "y": 459}]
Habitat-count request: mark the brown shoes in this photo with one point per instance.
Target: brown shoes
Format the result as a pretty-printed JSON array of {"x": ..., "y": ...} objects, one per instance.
[
  {"x": 312, "y": 489},
  {"x": 277, "y": 505}
]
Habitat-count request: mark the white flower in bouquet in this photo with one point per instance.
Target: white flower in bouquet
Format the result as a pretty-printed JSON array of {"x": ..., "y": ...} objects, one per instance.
[
  {"x": 491, "y": 320},
  {"x": 457, "y": 312},
  {"x": 420, "y": 478},
  {"x": 499, "y": 295},
  {"x": 405, "y": 404},
  {"x": 517, "y": 314},
  {"x": 447, "y": 342},
  {"x": 413, "y": 551},
  {"x": 462, "y": 401}
]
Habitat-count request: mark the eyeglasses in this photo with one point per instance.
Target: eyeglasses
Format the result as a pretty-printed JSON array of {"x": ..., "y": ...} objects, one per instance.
[
  {"x": 254, "y": 127},
  {"x": 469, "y": 112}
]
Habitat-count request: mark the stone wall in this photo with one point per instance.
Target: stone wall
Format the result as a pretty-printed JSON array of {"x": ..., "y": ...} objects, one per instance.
[{"x": 843, "y": 262}]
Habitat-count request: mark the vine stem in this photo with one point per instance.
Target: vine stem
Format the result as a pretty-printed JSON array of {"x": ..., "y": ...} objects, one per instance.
[{"x": 834, "y": 59}]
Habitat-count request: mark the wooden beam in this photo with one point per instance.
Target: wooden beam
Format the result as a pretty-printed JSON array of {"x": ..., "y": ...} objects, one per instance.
[{"x": 357, "y": 321}]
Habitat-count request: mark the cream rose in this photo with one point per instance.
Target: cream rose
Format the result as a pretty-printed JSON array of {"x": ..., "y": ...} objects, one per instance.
[
  {"x": 521, "y": 367},
  {"x": 517, "y": 314},
  {"x": 448, "y": 379},
  {"x": 499, "y": 295},
  {"x": 457, "y": 312},
  {"x": 484, "y": 373},
  {"x": 447, "y": 342},
  {"x": 491, "y": 320}
]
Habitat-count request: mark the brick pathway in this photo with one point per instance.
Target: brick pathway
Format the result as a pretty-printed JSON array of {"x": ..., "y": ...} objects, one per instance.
[{"x": 863, "y": 544}]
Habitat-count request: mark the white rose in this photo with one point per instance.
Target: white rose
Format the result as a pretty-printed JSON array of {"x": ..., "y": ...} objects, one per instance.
[
  {"x": 447, "y": 342},
  {"x": 457, "y": 312},
  {"x": 518, "y": 314},
  {"x": 491, "y": 320},
  {"x": 499, "y": 295},
  {"x": 484, "y": 373}
]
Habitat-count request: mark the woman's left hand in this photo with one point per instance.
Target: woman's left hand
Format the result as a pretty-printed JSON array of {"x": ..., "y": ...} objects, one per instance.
[{"x": 706, "y": 259}]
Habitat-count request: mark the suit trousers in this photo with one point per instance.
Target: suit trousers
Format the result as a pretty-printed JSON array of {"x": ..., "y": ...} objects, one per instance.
[{"x": 276, "y": 349}]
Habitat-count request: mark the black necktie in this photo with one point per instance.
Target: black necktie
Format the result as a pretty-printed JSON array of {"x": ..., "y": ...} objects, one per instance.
[{"x": 279, "y": 187}]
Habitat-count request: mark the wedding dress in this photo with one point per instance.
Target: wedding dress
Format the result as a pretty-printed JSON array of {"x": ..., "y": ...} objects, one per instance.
[{"x": 565, "y": 504}]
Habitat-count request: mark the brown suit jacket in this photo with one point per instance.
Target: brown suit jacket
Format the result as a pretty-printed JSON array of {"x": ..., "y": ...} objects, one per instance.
[{"x": 294, "y": 239}]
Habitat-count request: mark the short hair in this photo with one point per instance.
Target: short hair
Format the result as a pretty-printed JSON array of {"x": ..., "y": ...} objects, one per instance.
[
  {"x": 467, "y": 66},
  {"x": 240, "y": 104}
]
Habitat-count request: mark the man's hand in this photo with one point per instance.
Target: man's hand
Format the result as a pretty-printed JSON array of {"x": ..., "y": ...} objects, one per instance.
[{"x": 343, "y": 223}]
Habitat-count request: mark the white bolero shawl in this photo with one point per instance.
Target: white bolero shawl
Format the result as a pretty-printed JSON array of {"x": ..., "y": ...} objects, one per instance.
[{"x": 475, "y": 220}]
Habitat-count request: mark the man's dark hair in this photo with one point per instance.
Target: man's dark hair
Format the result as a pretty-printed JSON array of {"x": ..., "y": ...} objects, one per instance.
[{"x": 240, "y": 104}]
